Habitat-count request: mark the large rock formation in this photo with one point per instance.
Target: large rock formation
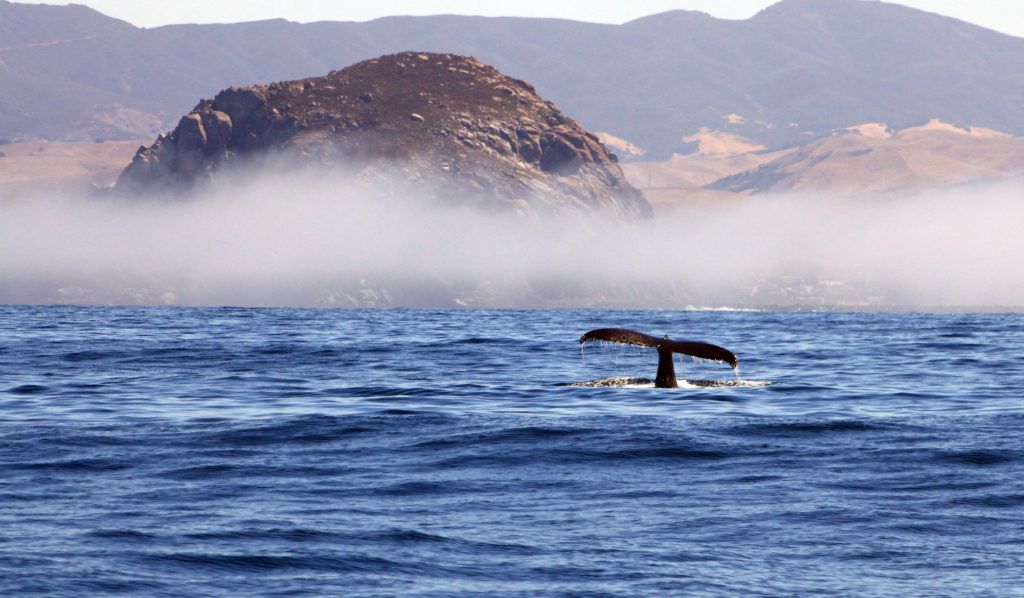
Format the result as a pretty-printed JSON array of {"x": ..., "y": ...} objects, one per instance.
[{"x": 444, "y": 125}]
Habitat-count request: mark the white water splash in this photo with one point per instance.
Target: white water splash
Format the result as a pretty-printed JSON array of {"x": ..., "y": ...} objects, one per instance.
[{"x": 629, "y": 382}]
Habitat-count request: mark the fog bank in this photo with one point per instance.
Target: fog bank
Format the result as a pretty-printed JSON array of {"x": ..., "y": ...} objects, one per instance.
[{"x": 314, "y": 241}]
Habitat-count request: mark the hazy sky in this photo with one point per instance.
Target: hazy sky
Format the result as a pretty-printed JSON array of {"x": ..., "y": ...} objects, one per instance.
[{"x": 1002, "y": 15}]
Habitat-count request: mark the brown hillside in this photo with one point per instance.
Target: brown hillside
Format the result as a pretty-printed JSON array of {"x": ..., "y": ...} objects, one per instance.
[{"x": 934, "y": 155}]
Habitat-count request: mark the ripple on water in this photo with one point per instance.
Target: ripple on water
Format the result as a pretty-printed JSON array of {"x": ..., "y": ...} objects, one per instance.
[
  {"x": 28, "y": 389},
  {"x": 83, "y": 466},
  {"x": 980, "y": 457},
  {"x": 808, "y": 428}
]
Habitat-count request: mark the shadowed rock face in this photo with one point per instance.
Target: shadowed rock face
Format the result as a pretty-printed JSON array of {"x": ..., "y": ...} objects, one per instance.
[{"x": 443, "y": 125}]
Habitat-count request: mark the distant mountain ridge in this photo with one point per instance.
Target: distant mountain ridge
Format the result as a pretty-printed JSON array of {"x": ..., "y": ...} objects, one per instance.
[{"x": 791, "y": 74}]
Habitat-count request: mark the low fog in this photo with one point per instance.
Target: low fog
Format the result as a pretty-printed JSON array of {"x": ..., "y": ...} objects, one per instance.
[{"x": 308, "y": 240}]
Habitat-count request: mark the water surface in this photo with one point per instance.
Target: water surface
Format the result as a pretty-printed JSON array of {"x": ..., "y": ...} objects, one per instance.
[{"x": 229, "y": 452}]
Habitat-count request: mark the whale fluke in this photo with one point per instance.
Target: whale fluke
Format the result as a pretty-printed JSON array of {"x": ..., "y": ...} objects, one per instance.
[{"x": 666, "y": 377}]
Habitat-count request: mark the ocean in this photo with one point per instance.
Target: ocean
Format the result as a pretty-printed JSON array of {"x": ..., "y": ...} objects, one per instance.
[{"x": 302, "y": 452}]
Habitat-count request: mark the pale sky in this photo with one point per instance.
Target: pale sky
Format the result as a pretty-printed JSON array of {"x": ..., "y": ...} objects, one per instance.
[{"x": 1002, "y": 15}]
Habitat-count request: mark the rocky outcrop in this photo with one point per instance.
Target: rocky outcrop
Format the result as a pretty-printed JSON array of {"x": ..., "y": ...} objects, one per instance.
[{"x": 444, "y": 125}]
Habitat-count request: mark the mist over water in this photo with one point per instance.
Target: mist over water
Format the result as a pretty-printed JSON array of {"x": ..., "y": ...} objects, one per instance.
[{"x": 316, "y": 240}]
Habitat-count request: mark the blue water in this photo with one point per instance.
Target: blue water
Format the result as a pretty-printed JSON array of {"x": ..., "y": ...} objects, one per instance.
[{"x": 241, "y": 452}]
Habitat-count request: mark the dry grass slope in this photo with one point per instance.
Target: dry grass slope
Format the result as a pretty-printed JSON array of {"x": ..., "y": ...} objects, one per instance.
[{"x": 48, "y": 166}]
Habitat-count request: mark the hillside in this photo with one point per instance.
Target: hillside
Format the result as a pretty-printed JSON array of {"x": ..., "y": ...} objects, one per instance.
[
  {"x": 873, "y": 159},
  {"x": 718, "y": 155},
  {"x": 789, "y": 75},
  {"x": 61, "y": 166},
  {"x": 420, "y": 124}
]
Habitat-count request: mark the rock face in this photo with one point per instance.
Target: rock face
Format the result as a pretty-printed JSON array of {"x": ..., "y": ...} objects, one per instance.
[{"x": 444, "y": 125}]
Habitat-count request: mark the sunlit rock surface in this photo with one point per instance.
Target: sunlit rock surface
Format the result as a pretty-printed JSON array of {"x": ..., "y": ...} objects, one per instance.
[{"x": 439, "y": 125}]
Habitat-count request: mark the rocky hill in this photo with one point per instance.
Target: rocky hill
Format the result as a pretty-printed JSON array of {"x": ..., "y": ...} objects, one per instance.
[
  {"x": 791, "y": 74},
  {"x": 440, "y": 124}
]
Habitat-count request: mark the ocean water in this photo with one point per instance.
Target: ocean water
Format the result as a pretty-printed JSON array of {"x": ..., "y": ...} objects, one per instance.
[{"x": 288, "y": 452}]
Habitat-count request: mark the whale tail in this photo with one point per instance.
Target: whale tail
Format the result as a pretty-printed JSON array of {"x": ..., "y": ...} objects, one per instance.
[
  {"x": 666, "y": 377},
  {"x": 696, "y": 349}
]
